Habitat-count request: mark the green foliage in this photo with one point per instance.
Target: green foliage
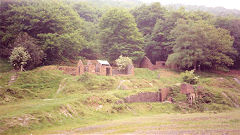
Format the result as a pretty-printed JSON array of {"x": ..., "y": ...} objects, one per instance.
[
  {"x": 146, "y": 16},
  {"x": 233, "y": 25},
  {"x": 160, "y": 43},
  {"x": 176, "y": 95},
  {"x": 189, "y": 77},
  {"x": 197, "y": 43},
  {"x": 123, "y": 62},
  {"x": 31, "y": 45},
  {"x": 87, "y": 11},
  {"x": 54, "y": 23},
  {"x": 95, "y": 82},
  {"x": 120, "y": 36},
  {"x": 19, "y": 57},
  {"x": 5, "y": 66}
]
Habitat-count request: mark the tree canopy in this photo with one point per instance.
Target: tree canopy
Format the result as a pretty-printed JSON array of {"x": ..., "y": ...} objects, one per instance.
[
  {"x": 55, "y": 24},
  {"x": 120, "y": 36},
  {"x": 52, "y": 31},
  {"x": 199, "y": 43}
]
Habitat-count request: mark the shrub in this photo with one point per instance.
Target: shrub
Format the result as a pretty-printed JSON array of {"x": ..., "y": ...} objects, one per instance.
[
  {"x": 32, "y": 47},
  {"x": 123, "y": 62},
  {"x": 19, "y": 57},
  {"x": 189, "y": 77}
]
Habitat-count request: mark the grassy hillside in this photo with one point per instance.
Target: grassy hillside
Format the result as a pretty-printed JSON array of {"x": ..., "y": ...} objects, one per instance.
[
  {"x": 45, "y": 101},
  {"x": 4, "y": 65}
]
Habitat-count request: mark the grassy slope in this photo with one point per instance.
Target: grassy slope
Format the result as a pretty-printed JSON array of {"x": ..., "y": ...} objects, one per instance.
[
  {"x": 194, "y": 123},
  {"x": 4, "y": 65},
  {"x": 33, "y": 98}
]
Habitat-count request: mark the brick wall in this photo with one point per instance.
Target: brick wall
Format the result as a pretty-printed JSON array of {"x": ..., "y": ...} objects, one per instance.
[
  {"x": 163, "y": 94},
  {"x": 146, "y": 63},
  {"x": 103, "y": 70},
  {"x": 143, "y": 97},
  {"x": 80, "y": 68}
]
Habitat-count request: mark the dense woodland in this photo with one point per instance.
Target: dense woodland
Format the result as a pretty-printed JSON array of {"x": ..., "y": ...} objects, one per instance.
[{"x": 50, "y": 31}]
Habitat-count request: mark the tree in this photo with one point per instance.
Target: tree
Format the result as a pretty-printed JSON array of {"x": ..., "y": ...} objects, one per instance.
[
  {"x": 197, "y": 43},
  {"x": 147, "y": 16},
  {"x": 161, "y": 41},
  {"x": 54, "y": 23},
  {"x": 19, "y": 58},
  {"x": 31, "y": 46},
  {"x": 123, "y": 62},
  {"x": 232, "y": 25},
  {"x": 119, "y": 35},
  {"x": 88, "y": 12}
]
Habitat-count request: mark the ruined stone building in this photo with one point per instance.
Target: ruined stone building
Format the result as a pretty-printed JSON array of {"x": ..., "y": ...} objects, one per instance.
[
  {"x": 146, "y": 63},
  {"x": 99, "y": 67},
  {"x": 102, "y": 67}
]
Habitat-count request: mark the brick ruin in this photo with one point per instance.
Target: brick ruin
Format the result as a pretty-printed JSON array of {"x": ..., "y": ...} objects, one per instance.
[
  {"x": 98, "y": 67},
  {"x": 101, "y": 67},
  {"x": 94, "y": 66},
  {"x": 146, "y": 63},
  {"x": 163, "y": 95},
  {"x": 159, "y": 96}
]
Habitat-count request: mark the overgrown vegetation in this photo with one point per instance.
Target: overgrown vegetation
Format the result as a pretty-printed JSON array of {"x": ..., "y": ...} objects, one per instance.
[
  {"x": 187, "y": 39},
  {"x": 19, "y": 57},
  {"x": 44, "y": 100},
  {"x": 123, "y": 62},
  {"x": 35, "y": 95},
  {"x": 5, "y": 65},
  {"x": 189, "y": 77}
]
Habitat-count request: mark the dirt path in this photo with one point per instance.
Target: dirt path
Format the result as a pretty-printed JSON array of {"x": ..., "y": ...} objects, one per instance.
[
  {"x": 13, "y": 79},
  {"x": 168, "y": 124}
]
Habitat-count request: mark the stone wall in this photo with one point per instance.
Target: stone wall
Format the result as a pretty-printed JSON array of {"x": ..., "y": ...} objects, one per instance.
[
  {"x": 146, "y": 63},
  {"x": 80, "y": 68},
  {"x": 163, "y": 94},
  {"x": 186, "y": 88},
  {"x": 128, "y": 71},
  {"x": 103, "y": 70},
  {"x": 68, "y": 70},
  {"x": 159, "y": 64},
  {"x": 143, "y": 97}
]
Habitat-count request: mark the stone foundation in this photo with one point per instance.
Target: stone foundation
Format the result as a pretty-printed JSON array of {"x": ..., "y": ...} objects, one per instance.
[{"x": 143, "y": 97}]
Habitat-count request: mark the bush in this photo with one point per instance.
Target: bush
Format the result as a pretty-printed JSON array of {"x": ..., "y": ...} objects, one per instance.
[
  {"x": 32, "y": 47},
  {"x": 189, "y": 77},
  {"x": 19, "y": 57},
  {"x": 123, "y": 62}
]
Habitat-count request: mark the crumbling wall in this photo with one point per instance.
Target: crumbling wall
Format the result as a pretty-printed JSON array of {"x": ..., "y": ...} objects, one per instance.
[
  {"x": 146, "y": 63},
  {"x": 130, "y": 69},
  {"x": 186, "y": 88},
  {"x": 103, "y": 70},
  {"x": 68, "y": 70},
  {"x": 159, "y": 64},
  {"x": 164, "y": 93},
  {"x": 143, "y": 97},
  {"x": 80, "y": 68}
]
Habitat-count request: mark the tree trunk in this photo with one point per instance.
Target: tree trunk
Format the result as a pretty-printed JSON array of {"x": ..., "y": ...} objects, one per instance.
[{"x": 21, "y": 68}]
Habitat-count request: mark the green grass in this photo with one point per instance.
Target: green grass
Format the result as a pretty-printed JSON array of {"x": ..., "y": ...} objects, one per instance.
[
  {"x": 5, "y": 66},
  {"x": 175, "y": 123},
  {"x": 34, "y": 95}
]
